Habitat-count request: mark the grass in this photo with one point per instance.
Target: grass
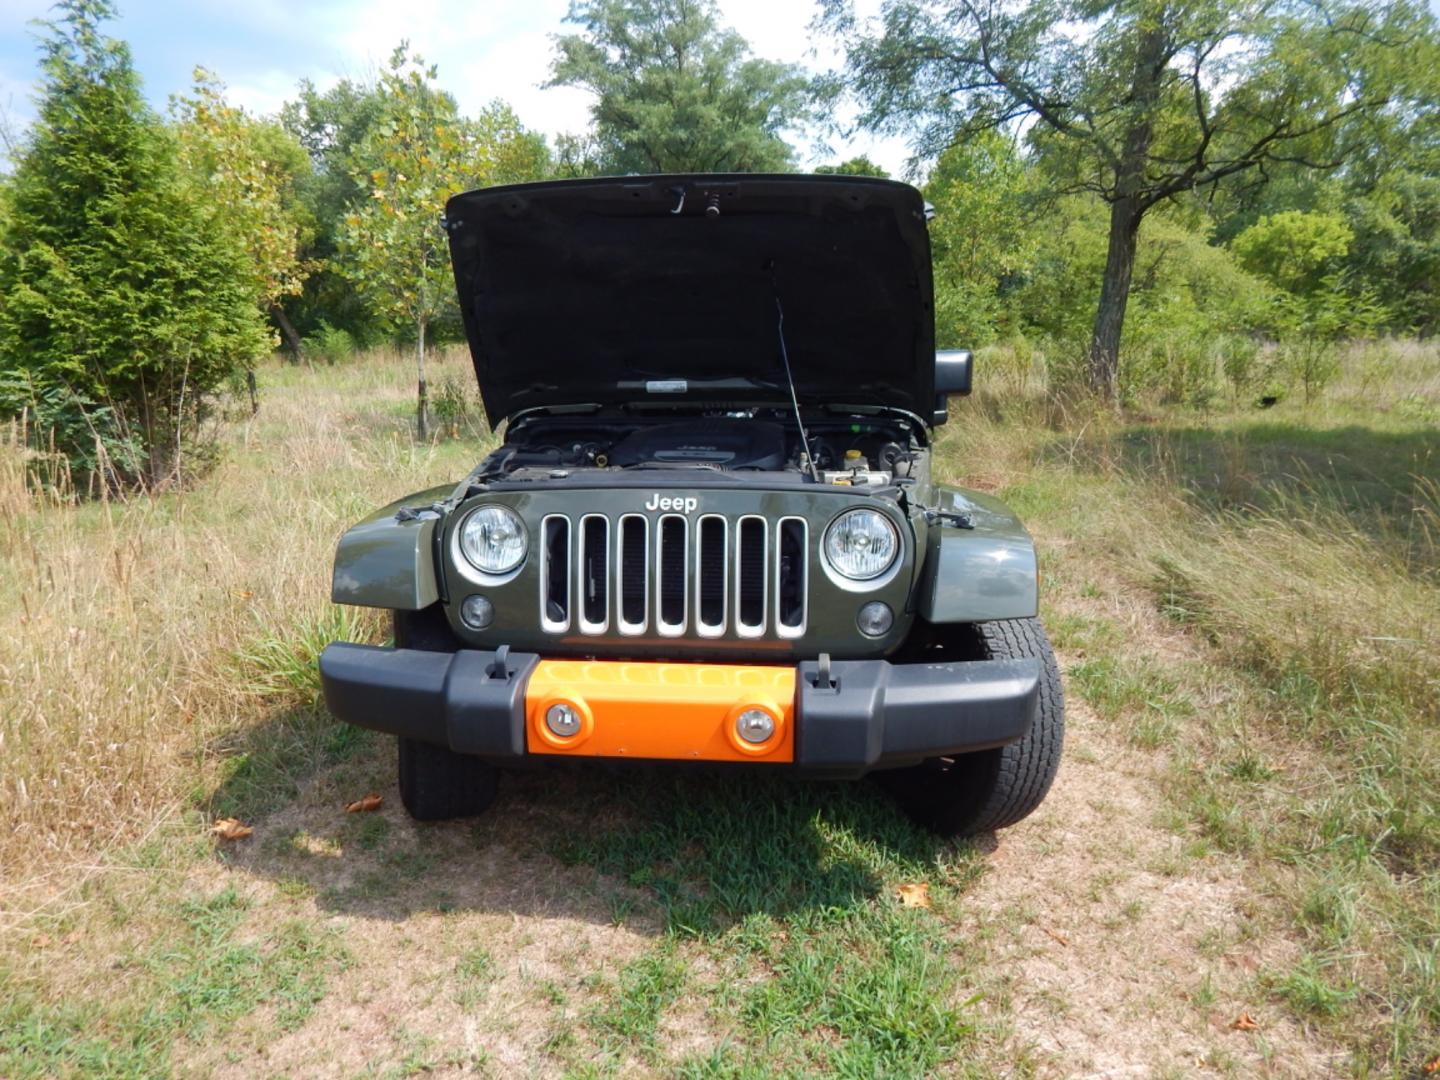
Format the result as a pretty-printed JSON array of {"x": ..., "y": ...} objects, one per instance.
[
  {"x": 1297, "y": 554},
  {"x": 198, "y": 977},
  {"x": 1247, "y": 601}
]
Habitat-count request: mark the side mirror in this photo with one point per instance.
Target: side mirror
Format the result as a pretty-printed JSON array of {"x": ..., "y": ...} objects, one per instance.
[{"x": 953, "y": 372}]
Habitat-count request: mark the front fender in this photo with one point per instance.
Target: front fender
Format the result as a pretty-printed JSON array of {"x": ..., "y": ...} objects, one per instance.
[
  {"x": 387, "y": 563},
  {"x": 980, "y": 574}
]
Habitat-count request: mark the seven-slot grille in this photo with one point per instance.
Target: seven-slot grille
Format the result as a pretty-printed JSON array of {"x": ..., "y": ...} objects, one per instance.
[{"x": 674, "y": 576}]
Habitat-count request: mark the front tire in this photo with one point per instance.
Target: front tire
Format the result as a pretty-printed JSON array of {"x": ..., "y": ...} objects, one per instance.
[
  {"x": 990, "y": 789},
  {"x": 436, "y": 783}
]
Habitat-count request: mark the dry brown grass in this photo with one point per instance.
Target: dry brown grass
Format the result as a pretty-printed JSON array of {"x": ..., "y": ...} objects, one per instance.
[
  {"x": 125, "y": 616},
  {"x": 1246, "y": 821},
  {"x": 1255, "y": 595}
]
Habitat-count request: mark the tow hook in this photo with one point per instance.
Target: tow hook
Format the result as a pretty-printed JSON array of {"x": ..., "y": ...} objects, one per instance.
[{"x": 823, "y": 679}]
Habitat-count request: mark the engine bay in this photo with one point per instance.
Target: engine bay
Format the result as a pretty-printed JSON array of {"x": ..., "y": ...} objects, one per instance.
[{"x": 759, "y": 443}]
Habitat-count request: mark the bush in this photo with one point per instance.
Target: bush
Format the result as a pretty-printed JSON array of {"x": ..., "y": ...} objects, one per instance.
[
  {"x": 456, "y": 407},
  {"x": 330, "y": 343},
  {"x": 122, "y": 311}
]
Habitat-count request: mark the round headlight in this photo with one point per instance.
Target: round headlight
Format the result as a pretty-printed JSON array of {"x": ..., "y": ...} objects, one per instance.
[
  {"x": 493, "y": 539},
  {"x": 861, "y": 544}
]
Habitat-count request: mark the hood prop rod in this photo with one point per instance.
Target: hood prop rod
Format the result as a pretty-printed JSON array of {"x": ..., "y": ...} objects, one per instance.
[{"x": 808, "y": 458}]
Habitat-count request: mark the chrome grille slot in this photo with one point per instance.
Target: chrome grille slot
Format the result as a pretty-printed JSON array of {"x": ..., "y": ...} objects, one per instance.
[
  {"x": 555, "y": 574},
  {"x": 594, "y": 603},
  {"x": 711, "y": 576},
  {"x": 790, "y": 577},
  {"x": 672, "y": 562},
  {"x": 750, "y": 576},
  {"x": 632, "y": 574}
]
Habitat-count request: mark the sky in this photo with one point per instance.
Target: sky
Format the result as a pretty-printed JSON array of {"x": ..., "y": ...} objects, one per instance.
[{"x": 485, "y": 49}]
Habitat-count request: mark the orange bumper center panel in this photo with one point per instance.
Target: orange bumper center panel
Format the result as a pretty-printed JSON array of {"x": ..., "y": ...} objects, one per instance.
[{"x": 661, "y": 711}]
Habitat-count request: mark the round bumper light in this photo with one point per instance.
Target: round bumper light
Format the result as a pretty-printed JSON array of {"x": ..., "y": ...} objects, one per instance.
[
  {"x": 477, "y": 612},
  {"x": 563, "y": 720},
  {"x": 875, "y": 619},
  {"x": 755, "y": 726}
]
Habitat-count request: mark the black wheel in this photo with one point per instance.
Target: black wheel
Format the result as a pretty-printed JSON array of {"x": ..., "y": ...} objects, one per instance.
[
  {"x": 437, "y": 784},
  {"x": 980, "y": 792}
]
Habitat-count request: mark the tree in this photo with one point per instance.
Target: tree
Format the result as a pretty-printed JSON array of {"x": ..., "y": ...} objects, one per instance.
[
  {"x": 1397, "y": 247},
  {"x": 1294, "y": 250},
  {"x": 856, "y": 166},
  {"x": 330, "y": 126},
  {"x": 251, "y": 168},
  {"x": 1141, "y": 101},
  {"x": 121, "y": 310},
  {"x": 415, "y": 155},
  {"x": 982, "y": 237},
  {"x": 674, "y": 92}
]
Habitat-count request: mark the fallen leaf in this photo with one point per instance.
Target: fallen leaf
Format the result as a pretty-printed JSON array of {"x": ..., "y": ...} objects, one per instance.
[
  {"x": 914, "y": 895},
  {"x": 230, "y": 829},
  {"x": 1432, "y": 1066},
  {"x": 1245, "y": 1022},
  {"x": 369, "y": 802},
  {"x": 42, "y": 941}
]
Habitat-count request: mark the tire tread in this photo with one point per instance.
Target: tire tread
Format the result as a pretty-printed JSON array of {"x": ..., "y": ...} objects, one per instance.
[{"x": 437, "y": 784}]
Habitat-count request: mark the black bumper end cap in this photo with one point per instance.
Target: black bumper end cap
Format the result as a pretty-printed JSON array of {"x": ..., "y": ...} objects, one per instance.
[
  {"x": 872, "y": 714},
  {"x": 472, "y": 701}
]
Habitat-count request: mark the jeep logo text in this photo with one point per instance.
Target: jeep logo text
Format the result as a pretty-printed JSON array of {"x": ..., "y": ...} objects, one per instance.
[{"x": 664, "y": 502}]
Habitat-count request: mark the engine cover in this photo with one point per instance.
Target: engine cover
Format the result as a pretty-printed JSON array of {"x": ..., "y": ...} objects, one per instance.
[{"x": 726, "y": 443}]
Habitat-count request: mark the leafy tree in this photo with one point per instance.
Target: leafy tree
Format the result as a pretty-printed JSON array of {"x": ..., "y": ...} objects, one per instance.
[
  {"x": 329, "y": 126},
  {"x": 1293, "y": 250},
  {"x": 250, "y": 167},
  {"x": 856, "y": 166},
  {"x": 674, "y": 92},
  {"x": 1141, "y": 101},
  {"x": 415, "y": 155},
  {"x": 1397, "y": 247},
  {"x": 982, "y": 237},
  {"x": 121, "y": 309}
]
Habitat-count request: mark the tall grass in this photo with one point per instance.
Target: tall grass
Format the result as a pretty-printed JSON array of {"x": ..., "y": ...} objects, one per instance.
[
  {"x": 141, "y": 631},
  {"x": 1298, "y": 549}
]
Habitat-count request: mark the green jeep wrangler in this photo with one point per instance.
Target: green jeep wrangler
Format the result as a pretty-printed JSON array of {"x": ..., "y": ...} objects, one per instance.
[{"x": 711, "y": 534}]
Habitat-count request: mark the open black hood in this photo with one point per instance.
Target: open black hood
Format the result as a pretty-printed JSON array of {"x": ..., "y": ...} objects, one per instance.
[{"x": 663, "y": 290}]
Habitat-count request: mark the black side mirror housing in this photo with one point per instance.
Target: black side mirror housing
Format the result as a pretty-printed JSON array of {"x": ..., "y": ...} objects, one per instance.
[{"x": 953, "y": 373}]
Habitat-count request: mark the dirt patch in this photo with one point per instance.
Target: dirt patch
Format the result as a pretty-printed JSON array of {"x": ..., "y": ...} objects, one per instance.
[
  {"x": 1115, "y": 948},
  {"x": 466, "y": 949}
]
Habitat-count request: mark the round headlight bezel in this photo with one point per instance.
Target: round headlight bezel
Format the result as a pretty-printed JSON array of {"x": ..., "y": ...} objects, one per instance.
[
  {"x": 470, "y": 559},
  {"x": 874, "y": 578}
]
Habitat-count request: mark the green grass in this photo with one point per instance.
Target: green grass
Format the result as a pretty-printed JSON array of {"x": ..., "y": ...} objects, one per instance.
[
  {"x": 197, "y": 976},
  {"x": 788, "y": 889}
]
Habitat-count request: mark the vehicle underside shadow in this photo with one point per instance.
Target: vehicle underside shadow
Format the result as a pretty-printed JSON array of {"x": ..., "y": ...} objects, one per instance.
[{"x": 658, "y": 849}]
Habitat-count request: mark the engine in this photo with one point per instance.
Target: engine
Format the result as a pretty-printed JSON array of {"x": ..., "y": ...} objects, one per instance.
[{"x": 869, "y": 452}]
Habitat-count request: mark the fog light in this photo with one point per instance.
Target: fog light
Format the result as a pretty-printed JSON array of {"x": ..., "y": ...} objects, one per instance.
[
  {"x": 562, "y": 720},
  {"x": 875, "y": 619},
  {"x": 477, "y": 612},
  {"x": 755, "y": 726}
]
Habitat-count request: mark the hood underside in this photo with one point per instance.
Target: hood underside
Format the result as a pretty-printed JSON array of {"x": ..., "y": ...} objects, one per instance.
[{"x": 667, "y": 290}]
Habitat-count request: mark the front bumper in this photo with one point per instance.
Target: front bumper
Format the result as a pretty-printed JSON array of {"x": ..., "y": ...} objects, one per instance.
[{"x": 843, "y": 719}]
